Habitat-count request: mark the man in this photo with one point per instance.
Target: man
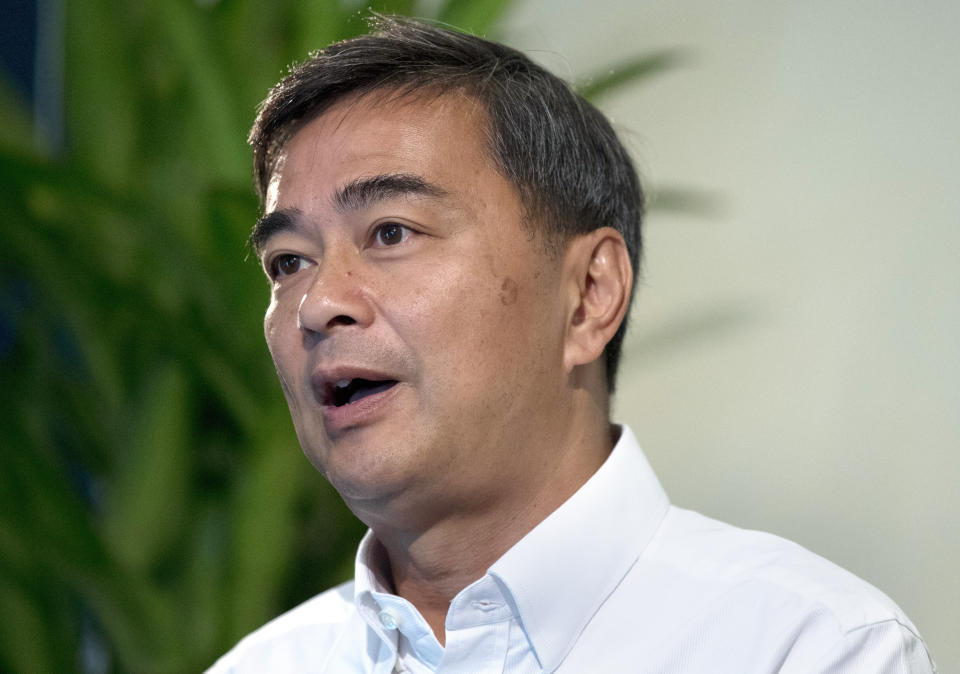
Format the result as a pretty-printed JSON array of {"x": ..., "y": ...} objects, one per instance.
[{"x": 452, "y": 239}]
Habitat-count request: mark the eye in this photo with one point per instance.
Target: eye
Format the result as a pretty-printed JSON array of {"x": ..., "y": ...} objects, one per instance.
[
  {"x": 285, "y": 264},
  {"x": 390, "y": 234}
]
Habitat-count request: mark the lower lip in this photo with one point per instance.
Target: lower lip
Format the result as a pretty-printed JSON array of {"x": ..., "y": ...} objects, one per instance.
[{"x": 363, "y": 411}]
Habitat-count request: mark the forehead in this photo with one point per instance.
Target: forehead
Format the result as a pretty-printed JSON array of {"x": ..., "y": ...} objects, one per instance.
[{"x": 442, "y": 138}]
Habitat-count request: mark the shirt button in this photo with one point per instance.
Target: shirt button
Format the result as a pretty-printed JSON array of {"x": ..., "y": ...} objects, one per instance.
[{"x": 388, "y": 620}]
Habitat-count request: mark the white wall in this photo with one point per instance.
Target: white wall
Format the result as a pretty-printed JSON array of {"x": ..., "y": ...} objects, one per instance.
[{"x": 823, "y": 401}]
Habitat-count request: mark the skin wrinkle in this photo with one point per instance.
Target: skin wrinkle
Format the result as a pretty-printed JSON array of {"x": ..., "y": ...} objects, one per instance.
[{"x": 508, "y": 291}]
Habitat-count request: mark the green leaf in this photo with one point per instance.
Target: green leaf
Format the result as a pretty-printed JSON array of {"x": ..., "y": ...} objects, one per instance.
[
  {"x": 474, "y": 16},
  {"x": 207, "y": 587},
  {"x": 220, "y": 124},
  {"x": 630, "y": 71},
  {"x": 101, "y": 84},
  {"x": 150, "y": 496},
  {"x": 25, "y": 640},
  {"x": 234, "y": 394},
  {"x": 43, "y": 516},
  {"x": 686, "y": 200},
  {"x": 16, "y": 127},
  {"x": 263, "y": 524},
  {"x": 691, "y": 328}
]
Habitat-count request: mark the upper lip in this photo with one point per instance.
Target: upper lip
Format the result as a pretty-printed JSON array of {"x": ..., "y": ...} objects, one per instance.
[{"x": 323, "y": 379}]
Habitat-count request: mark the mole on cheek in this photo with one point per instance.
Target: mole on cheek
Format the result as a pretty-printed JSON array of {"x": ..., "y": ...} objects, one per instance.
[{"x": 508, "y": 291}]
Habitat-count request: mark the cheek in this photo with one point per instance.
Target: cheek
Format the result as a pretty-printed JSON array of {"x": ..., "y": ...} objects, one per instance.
[
  {"x": 271, "y": 327},
  {"x": 473, "y": 319},
  {"x": 282, "y": 335}
]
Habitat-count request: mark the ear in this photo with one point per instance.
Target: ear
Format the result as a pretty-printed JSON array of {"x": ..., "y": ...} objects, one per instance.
[{"x": 599, "y": 277}]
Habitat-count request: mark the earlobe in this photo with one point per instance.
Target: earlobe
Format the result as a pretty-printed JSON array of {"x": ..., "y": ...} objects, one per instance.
[{"x": 600, "y": 278}]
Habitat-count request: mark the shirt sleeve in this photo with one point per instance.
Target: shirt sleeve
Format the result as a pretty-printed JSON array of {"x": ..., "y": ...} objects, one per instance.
[{"x": 887, "y": 647}]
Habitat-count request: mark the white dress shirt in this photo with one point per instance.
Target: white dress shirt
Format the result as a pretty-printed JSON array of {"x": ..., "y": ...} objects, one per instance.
[{"x": 615, "y": 580}]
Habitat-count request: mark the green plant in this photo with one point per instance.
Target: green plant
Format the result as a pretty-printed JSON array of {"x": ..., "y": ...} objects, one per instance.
[{"x": 154, "y": 506}]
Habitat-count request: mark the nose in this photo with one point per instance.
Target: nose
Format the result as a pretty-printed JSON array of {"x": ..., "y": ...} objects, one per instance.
[{"x": 335, "y": 299}]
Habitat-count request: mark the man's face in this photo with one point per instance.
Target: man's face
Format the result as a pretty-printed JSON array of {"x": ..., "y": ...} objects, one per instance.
[{"x": 416, "y": 324}]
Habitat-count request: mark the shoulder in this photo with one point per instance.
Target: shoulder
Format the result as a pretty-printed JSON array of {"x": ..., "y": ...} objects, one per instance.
[
  {"x": 300, "y": 635},
  {"x": 707, "y": 550},
  {"x": 806, "y": 610}
]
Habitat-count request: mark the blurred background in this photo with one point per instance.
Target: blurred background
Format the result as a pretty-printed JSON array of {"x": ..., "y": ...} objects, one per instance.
[{"x": 793, "y": 362}]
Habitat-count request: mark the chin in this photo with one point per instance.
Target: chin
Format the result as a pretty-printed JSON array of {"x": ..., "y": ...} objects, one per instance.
[{"x": 360, "y": 471}]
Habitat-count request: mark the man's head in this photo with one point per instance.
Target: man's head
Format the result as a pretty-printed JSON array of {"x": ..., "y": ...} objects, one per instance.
[
  {"x": 570, "y": 171},
  {"x": 438, "y": 317}
]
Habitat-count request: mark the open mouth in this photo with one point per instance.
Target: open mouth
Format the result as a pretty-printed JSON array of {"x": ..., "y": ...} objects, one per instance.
[{"x": 346, "y": 391}]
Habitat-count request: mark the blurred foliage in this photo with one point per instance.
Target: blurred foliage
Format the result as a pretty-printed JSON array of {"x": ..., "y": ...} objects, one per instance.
[
  {"x": 630, "y": 71},
  {"x": 154, "y": 504}
]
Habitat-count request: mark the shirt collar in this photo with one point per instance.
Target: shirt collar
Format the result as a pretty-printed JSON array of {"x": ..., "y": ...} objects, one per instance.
[
  {"x": 365, "y": 577},
  {"x": 365, "y": 588},
  {"x": 560, "y": 573}
]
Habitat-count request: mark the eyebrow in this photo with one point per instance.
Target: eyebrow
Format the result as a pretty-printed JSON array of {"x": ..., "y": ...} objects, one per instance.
[
  {"x": 270, "y": 224},
  {"x": 355, "y": 195},
  {"x": 363, "y": 192}
]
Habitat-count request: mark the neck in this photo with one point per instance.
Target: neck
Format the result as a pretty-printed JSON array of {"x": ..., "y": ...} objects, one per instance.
[{"x": 431, "y": 561}]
